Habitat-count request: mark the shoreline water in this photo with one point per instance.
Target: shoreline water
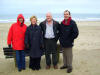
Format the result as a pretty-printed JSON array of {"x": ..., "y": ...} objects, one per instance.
[
  {"x": 42, "y": 19},
  {"x": 79, "y": 23},
  {"x": 6, "y": 18}
]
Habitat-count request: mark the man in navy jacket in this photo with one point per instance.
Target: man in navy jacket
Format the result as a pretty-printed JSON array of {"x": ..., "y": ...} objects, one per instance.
[{"x": 68, "y": 32}]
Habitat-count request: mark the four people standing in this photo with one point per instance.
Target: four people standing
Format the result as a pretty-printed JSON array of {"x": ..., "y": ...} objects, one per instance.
[{"x": 44, "y": 36}]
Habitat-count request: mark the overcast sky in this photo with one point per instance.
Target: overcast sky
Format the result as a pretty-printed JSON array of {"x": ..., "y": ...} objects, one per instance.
[{"x": 54, "y": 6}]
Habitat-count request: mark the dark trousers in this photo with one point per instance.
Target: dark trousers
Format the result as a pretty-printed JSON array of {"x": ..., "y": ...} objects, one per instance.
[
  {"x": 35, "y": 63},
  {"x": 20, "y": 59},
  {"x": 51, "y": 48}
]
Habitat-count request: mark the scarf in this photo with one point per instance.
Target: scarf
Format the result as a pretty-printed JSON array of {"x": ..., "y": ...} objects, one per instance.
[{"x": 68, "y": 21}]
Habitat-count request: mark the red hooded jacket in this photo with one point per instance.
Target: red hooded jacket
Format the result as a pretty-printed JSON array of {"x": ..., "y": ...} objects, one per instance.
[{"x": 16, "y": 34}]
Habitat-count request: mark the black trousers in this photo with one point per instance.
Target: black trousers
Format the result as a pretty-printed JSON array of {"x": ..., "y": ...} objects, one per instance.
[
  {"x": 35, "y": 63},
  {"x": 50, "y": 49}
]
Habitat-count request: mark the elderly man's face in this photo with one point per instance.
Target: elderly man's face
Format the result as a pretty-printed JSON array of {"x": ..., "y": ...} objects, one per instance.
[
  {"x": 66, "y": 15},
  {"x": 21, "y": 20},
  {"x": 48, "y": 17}
]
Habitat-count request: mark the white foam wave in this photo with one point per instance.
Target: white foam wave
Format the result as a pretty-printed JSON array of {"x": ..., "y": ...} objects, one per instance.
[{"x": 58, "y": 19}]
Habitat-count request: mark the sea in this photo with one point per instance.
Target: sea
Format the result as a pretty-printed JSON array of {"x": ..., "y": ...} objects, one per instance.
[{"x": 7, "y": 18}]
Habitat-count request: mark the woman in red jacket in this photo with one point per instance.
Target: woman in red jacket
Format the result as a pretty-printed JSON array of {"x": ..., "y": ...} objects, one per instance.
[{"x": 16, "y": 37}]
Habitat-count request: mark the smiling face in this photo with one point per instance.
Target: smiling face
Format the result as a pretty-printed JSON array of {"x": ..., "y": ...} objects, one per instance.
[
  {"x": 66, "y": 15},
  {"x": 48, "y": 17},
  {"x": 20, "y": 20},
  {"x": 33, "y": 21}
]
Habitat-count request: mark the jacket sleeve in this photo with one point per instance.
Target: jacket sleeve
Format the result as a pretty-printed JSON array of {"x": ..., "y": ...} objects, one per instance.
[
  {"x": 41, "y": 26},
  {"x": 26, "y": 37},
  {"x": 10, "y": 35},
  {"x": 58, "y": 31},
  {"x": 75, "y": 31},
  {"x": 41, "y": 37}
]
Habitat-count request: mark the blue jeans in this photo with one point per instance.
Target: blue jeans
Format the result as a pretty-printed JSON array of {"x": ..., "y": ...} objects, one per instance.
[{"x": 20, "y": 59}]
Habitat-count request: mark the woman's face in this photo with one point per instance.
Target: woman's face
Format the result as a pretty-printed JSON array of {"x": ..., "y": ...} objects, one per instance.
[
  {"x": 66, "y": 15},
  {"x": 33, "y": 21},
  {"x": 21, "y": 20}
]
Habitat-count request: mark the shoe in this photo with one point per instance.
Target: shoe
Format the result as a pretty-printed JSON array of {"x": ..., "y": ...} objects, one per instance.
[
  {"x": 37, "y": 68},
  {"x": 19, "y": 70},
  {"x": 30, "y": 67},
  {"x": 47, "y": 67},
  {"x": 63, "y": 67},
  {"x": 23, "y": 68},
  {"x": 55, "y": 67},
  {"x": 40, "y": 67},
  {"x": 69, "y": 70},
  {"x": 33, "y": 68}
]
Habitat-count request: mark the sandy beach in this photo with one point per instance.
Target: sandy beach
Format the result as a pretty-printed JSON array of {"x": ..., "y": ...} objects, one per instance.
[{"x": 86, "y": 53}]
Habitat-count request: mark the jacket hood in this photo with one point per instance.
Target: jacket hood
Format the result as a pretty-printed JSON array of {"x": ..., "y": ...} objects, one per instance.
[{"x": 20, "y": 16}]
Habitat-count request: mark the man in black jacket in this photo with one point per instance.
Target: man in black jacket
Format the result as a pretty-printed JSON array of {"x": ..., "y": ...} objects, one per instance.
[
  {"x": 50, "y": 30},
  {"x": 68, "y": 32}
]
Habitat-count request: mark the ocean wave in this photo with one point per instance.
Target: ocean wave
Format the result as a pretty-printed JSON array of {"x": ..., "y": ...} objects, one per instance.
[
  {"x": 7, "y": 20},
  {"x": 58, "y": 19},
  {"x": 87, "y": 19}
]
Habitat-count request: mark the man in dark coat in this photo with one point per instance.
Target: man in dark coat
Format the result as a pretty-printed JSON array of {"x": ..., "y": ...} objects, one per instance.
[
  {"x": 68, "y": 32},
  {"x": 34, "y": 41},
  {"x": 50, "y": 30}
]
